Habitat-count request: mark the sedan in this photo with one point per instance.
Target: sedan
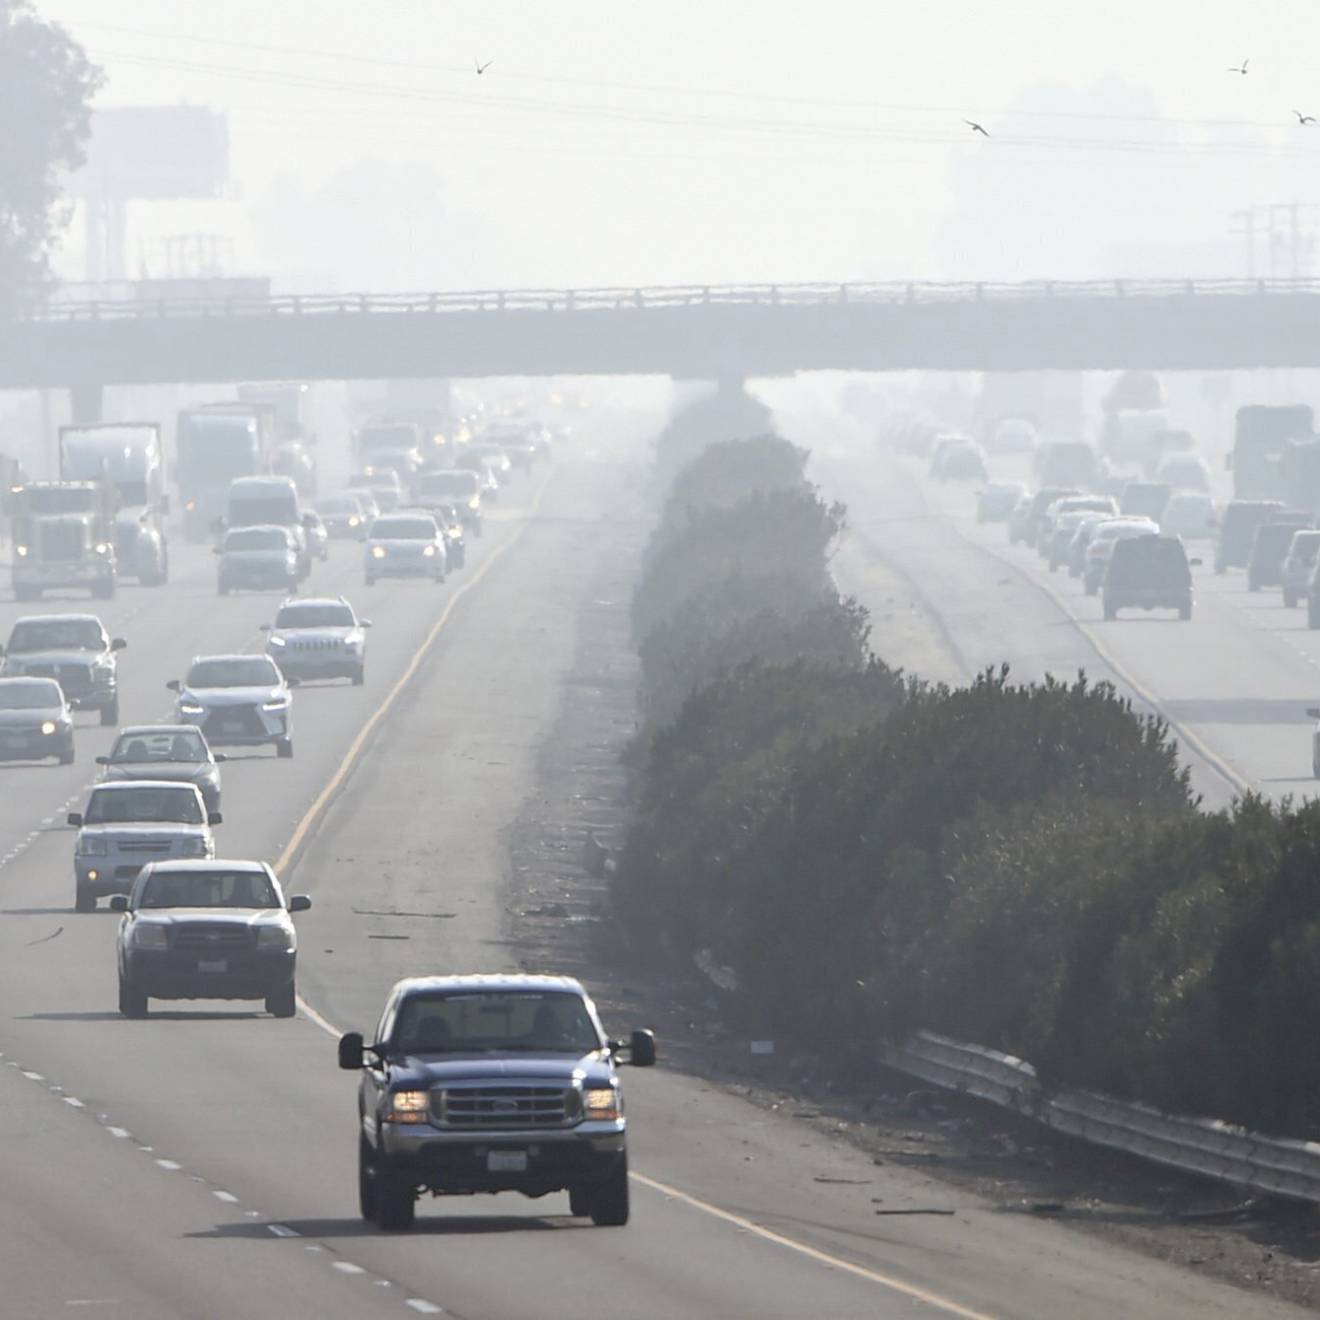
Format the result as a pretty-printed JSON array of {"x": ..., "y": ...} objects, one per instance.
[
  {"x": 238, "y": 701},
  {"x": 406, "y": 545},
  {"x": 177, "y": 753},
  {"x": 35, "y": 721},
  {"x": 343, "y": 517}
]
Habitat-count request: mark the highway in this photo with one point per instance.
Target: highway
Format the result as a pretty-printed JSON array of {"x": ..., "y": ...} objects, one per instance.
[{"x": 202, "y": 1162}]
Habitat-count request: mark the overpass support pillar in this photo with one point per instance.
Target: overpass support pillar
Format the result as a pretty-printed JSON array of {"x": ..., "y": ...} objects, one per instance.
[{"x": 86, "y": 404}]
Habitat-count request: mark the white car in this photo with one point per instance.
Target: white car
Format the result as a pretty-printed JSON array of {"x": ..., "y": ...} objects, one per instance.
[
  {"x": 1190, "y": 514},
  {"x": 405, "y": 545},
  {"x": 237, "y": 701},
  {"x": 318, "y": 638},
  {"x": 259, "y": 558},
  {"x": 127, "y": 825}
]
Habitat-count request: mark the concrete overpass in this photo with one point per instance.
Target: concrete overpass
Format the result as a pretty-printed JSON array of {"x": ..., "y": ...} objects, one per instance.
[{"x": 694, "y": 332}]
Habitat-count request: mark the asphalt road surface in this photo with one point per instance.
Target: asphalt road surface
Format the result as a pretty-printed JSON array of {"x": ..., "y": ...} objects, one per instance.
[{"x": 201, "y": 1163}]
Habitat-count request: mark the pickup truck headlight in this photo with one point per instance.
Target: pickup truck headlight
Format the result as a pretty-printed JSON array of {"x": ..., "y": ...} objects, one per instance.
[
  {"x": 93, "y": 847},
  {"x": 276, "y": 641},
  {"x": 190, "y": 708},
  {"x": 428, "y": 550},
  {"x": 21, "y": 551},
  {"x": 378, "y": 552},
  {"x": 194, "y": 847},
  {"x": 274, "y": 938},
  {"x": 149, "y": 935},
  {"x": 275, "y": 703},
  {"x": 602, "y": 1102},
  {"x": 407, "y": 1107}
]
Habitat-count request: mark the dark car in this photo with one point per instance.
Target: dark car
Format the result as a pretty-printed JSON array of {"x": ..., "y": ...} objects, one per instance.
[
  {"x": 996, "y": 501},
  {"x": 491, "y": 1084},
  {"x": 1148, "y": 573},
  {"x": 1237, "y": 527},
  {"x": 1040, "y": 503},
  {"x": 1069, "y": 462},
  {"x": 73, "y": 649},
  {"x": 964, "y": 461},
  {"x": 35, "y": 721},
  {"x": 1299, "y": 566},
  {"x": 160, "y": 752},
  {"x": 1145, "y": 499},
  {"x": 1269, "y": 547}
]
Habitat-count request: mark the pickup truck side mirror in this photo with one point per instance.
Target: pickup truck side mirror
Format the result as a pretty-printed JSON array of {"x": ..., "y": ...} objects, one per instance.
[
  {"x": 299, "y": 903},
  {"x": 102, "y": 760},
  {"x": 75, "y": 818},
  {"x": 118, "y": 644},
  {"x": 351, "y": 1052},
  {"x": 641, "y": 1049},
  {"x": 218, "y": 757},
  {"x": 293, "y": 682},
  {"x": 1195, "y": 563},
  {"x": 364, "y": 623},
  {"x": 118, "y": 902},
  {"x": 214, "y": 818},
  {"x": 263, "y": 627}
]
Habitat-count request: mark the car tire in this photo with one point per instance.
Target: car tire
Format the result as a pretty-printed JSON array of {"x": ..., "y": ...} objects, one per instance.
[
  {"x": 359, "y": 675},
  {"x": 110, "y": 713},
  {"x": 66, "y": 756},
  {"x": 83, "y": 899},
  {"x": 284, "y": 749},
  {"x": 284, "y": 1002},
  {"x": 396, "y": 1203},
  {"x": 609, "y": 1201},
  {"x": 579, "y": 1202},
  {"x": 132, "y": 1002},
  {"x": 223, "y": 588},
  {"x": 366, "y": 1181}
]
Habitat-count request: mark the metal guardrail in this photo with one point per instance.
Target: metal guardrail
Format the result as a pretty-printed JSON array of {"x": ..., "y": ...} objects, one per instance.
[
  {"x": 657, "y": 297},
  {"x": 1276, "y": 1166}
]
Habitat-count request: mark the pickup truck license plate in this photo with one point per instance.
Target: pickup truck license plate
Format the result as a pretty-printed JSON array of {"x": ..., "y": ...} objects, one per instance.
[
  {"x": 506, "y": 1161},
  {"x": 213, "y": 965}
]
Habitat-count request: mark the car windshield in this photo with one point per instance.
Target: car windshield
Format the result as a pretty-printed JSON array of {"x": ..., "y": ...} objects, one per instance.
[
  {"x": 234, "y": 671},
  {"x": 258, "y": 538},
  {"x": 39, "y": 694},
  {"x": 1273, "y": 538},
  {"x": 448, "y": 484},
  {"x": 404, "y": 529},
  {"x": 315, "y": 616},
  {"x": 141, "y": 746},
  {"x": 495, "y": 1020},
  {"x": 122, "y": 806},
  {"x": 56, "y": 635},
  {"x": 338, "y": 504},
  {"x": 208, "y": 889},
  {"x": 1305, "y": 544}
]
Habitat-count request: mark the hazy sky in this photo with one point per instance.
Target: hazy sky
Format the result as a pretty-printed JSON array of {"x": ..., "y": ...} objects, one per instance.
[{"x": 621, "y": 142}]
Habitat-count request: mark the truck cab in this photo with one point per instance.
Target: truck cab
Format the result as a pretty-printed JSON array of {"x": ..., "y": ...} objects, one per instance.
[
  {"x": 216, "y": 446},
  {"x": 269, "y": 501},
  {"x": 62, "y": 537}
]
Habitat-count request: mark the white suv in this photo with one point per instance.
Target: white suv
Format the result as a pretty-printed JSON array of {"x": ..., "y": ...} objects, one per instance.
[
  {"x": 238, "y": 701},
  {"x": 318, "y": 638},
  {"x": 127, "y": 825}
]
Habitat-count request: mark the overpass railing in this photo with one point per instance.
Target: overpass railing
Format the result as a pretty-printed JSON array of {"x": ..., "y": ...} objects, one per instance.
[{"x": 654, "y": 297}]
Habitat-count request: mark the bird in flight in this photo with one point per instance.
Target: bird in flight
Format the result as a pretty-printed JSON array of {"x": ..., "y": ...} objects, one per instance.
[
  {"x": 481, "y": 68},
  {"x": 1239, "y": 68},
  {"x": 975, "y": 127},
  {"x": 1304, "y": 119}
]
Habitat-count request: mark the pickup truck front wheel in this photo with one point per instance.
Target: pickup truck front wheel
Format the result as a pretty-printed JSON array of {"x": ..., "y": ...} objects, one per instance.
[
  {"x": 396, "y": 1204},
  {"x": 609, "y": 1200},
  {"x": 366, "y": 1181},
  {"x": 132, "y": 1002}
]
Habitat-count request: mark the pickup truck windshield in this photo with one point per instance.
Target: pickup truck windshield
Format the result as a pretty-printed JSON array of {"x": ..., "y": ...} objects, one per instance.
[
  {"x": 56, "y": 635},
  {"x": 495, "y": 1022},
  {"x": 258, "y": 538},
  {"x": 125, "y": 807},
  {"x": 208, "y": 889}
]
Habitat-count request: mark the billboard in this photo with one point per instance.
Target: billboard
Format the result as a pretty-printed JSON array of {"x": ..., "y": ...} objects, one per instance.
[{"x": 154, "y": 153}]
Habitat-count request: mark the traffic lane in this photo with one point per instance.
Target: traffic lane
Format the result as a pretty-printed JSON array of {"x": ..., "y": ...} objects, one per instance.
[{"x": 67, "y": 1244}]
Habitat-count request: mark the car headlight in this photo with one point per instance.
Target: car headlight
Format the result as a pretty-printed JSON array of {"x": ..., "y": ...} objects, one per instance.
[
  {"x": 407, "y": 1107},
  {"x": 190, "y": 506},
  {"x": 275, "y": 937},
  {"x": 474, "y": 503},
  {"x": 93, "y": 847},
  {"x": 48, "y": 727},
  {"x": 275, "y": 703},
  {"x": 194, "y": 847},
  {"x": 428, "y": 551},
  {"x": 149, "y": 935},
  {"x": 101, "y": 548},
  {"x": 378, "y": 552},
  {"x": 21, "y": 551},
  {"x": 275, "y": 641},
  {"x": 190, "y": 708},
  {"x": 354, "y": 520},
  {"x": 602, "y": 1102}
]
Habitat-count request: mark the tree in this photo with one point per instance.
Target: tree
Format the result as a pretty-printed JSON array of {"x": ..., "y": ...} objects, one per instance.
[{"x": 46, "y": 87}]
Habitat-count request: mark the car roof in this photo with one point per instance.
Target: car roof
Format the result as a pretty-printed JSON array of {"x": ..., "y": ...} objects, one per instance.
[
  {"x": 59, "y": 618},
  {"x": 29, "y": 679},
  {"x": 488, "y": 981},
  {"x": 237, "y": 655},
  {"x": 313, "y": 600},
  {"x": 139, "y": 729},
  {"x": 131, "y": 785},
  {"x": 209, "y": 864}
]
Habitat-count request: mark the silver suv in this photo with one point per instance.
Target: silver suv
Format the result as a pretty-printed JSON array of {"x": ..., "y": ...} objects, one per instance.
[{"x": 318, "y": 638}]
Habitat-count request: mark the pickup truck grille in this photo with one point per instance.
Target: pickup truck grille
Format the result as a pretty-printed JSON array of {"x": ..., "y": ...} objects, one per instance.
[
  {"x": 157, "y": 846},
  {"x": 74, "y": 679},
  {"x": 212, "y": 938},
  {"x": 512, "y": 1106}
]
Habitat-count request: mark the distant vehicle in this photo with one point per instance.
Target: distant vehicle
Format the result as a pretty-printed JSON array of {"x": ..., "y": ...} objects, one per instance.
[
  {"x": 492, "y": 457},
  {"x": 396, "y": 445},
  {"x": 1189, "y": 514},
  {"x": 1184, "y": 472},
  {"x": 1019, "y": 518},
  {"x": 1065, "y": 529},
  {"x": 216, "y": 446},
  {"x": 512, "y": 1077},
  {"x": 318, "y": 638},
  {"x": 997, "y": 500},
  {"x": 128, "y": 459},
  {"x": 1127, "y": 432},
  {"x": 298, "y": 463},
  {"x": 1068, "y": 463},
  {"x": 1030, "y": 524},
  {"x": 126, "y": 825},
  {"x": 177, "y": 753},
  {"x": 35, "y": 721},
  {"x": 366, "y": 498},
  {"x": 523, "y": 441},
  {"x": 237, "y": 701},
  {"x": 963, "y": 462},
  {"x": 383, "y": 483},
  {"x": 265, "y": 502},
  {"x": 451, "y": 528},
  {"x": 1144, "y": 499},
  {"x": 1298, "y": 566},
  {"x": 1013, "y": 435},
  {"x": 318, "y": 537},
  {"x": 405, "y": 545},
  {"x": 73, "y": 649},
  {"x": 1069, "y": 504},
  {"x": 63, "y": 537},
  {"x": 1104, "y": 537},
  {"x": 1075, "y": 556},
  {"x": 213, "y": 929},
  {"x": 1237, "y": 529},
  {"x": 1261, "y": 436},
  {"x": 259, "y": 558},
  {"x": 1268, "y": 548},
  {"x": 458, "y": 487},
  {"x": 343, "y": 517},
  {"x": 1148, "y": 573},
  {"x": 1161, "y": 445}
]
